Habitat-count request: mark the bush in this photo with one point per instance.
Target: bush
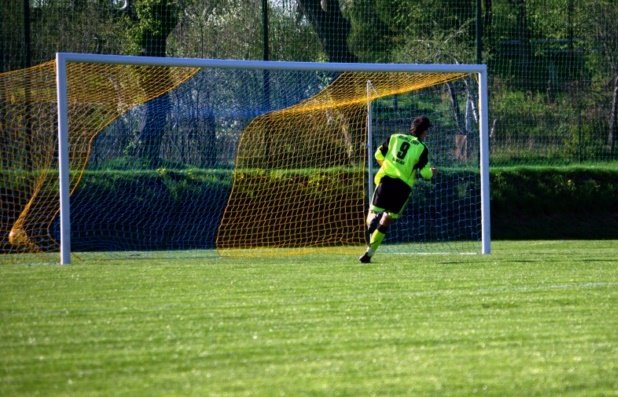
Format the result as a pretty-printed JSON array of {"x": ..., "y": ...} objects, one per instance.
[
  {"x": 554, "y": 203},
  {"x": 157, "y": 209},
  {"x": 526, "y": 203}
]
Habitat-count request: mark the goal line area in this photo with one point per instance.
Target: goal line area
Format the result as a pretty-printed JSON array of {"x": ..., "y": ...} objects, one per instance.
[
  {"x": 242, "y": 255},
  {"x": 119, "y": 154}
]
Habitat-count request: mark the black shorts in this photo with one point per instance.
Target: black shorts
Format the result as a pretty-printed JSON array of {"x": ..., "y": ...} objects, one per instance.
[{"x": 391, "y": 195}]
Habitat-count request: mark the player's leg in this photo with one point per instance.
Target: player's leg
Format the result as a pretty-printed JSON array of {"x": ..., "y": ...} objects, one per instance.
[
  {"x": 373, "y": 221},
  {"x": 377, "y": 236},
  {"x": 391, "y": 197},
  {"x": 374, "y": 214}
]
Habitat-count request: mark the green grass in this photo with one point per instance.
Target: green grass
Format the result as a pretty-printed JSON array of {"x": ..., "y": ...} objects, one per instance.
[{"x": 532, "y": 319}]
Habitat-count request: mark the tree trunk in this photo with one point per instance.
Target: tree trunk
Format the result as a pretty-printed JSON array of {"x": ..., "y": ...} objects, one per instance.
[
  {"x": 487, "y": 21},
  {"x": 613, "y": 119},
  {"x": 333, "y": 30},
  {"x": 525, "y": 51},
  {"x": 209, "y": 140},
  {"x": 151, "y": 130},
  {"x": 153, "y": 43},
  {"x": 461, "y": 136},
  {"x": 331, "y": 27},
  {"x": 455, "y": 107}
]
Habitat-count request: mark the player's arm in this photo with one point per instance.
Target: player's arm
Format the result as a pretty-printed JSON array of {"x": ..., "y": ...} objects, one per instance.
[
  {"x": 424, "y": 167},
  {"x": 380, "y": 154}
]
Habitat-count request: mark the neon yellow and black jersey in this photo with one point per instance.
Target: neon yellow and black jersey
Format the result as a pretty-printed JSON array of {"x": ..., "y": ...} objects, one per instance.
[{"x": 402, "y": 155}]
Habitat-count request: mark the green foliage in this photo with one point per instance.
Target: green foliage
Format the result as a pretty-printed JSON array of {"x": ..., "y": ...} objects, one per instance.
[
  {"x": 371, "y": 37},
  {"x": 558, "y": 189},
  {"x": 153, "y": 21},
  {"x": 544, "y": 202},
  {"x": 549, "y": 202},
  {"x": 530, "y": 127},
  {"x": 526, "y": 112},
  {"x": 535, "y": 46},
  {"x": 220, "y": 29},
  {"x": 292, "y": 37}
]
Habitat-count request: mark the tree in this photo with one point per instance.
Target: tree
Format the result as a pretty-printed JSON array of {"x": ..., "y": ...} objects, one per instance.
[
  {"x": 153, "y": 21},
  {"x": 601, "y": 28},
  {"x": 331, "y": 26},
  {"x": 371, "y": 37},
  {"x": 440, "y": 35},
  {"x": 12, "y": 31},
  {"x": 232, "y": 29},
  {"x": 292, "y": 36}
]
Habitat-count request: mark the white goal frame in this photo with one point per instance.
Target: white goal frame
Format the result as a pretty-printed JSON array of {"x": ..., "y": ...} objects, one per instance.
[{"x": 63, "y": 58}]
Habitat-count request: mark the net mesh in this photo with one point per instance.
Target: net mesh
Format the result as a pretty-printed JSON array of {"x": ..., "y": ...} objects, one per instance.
[
  {"x": 552, "y": 76},
  {"x": 97, "y": 94},
  {"x": 170, "y": 158},
  {"x": 300, "y": 178}
]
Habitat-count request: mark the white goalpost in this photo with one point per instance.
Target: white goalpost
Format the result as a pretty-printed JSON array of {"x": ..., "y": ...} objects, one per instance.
[{"x": 262, "y": 138}]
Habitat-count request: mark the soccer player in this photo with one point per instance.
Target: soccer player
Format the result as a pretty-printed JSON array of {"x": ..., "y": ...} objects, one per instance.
[{"x": 401, "y": 158}]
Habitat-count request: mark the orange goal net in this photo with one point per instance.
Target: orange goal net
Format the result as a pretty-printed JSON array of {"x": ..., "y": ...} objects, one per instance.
[{"x": 220, "y": 155}]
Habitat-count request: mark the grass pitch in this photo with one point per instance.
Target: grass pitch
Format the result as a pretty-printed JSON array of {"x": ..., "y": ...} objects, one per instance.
[{"x": 532, "y": 319}]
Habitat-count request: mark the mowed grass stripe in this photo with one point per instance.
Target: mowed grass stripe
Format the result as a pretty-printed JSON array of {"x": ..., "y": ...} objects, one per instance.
[{"x": 533, "y": 318}]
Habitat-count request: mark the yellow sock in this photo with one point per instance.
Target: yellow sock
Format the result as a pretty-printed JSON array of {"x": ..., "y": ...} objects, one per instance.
[{"x": 376, "y": 239}]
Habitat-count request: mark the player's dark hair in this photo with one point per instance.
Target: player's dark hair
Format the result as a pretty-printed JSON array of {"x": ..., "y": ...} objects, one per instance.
[{"x": 419, "y": 125}]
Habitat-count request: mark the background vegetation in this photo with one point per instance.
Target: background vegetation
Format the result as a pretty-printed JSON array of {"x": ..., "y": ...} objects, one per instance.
[
  {"x": 553, "y": 64},
  {"x": 553, "y": 68},
  {"x": 575, "y": 202}
]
